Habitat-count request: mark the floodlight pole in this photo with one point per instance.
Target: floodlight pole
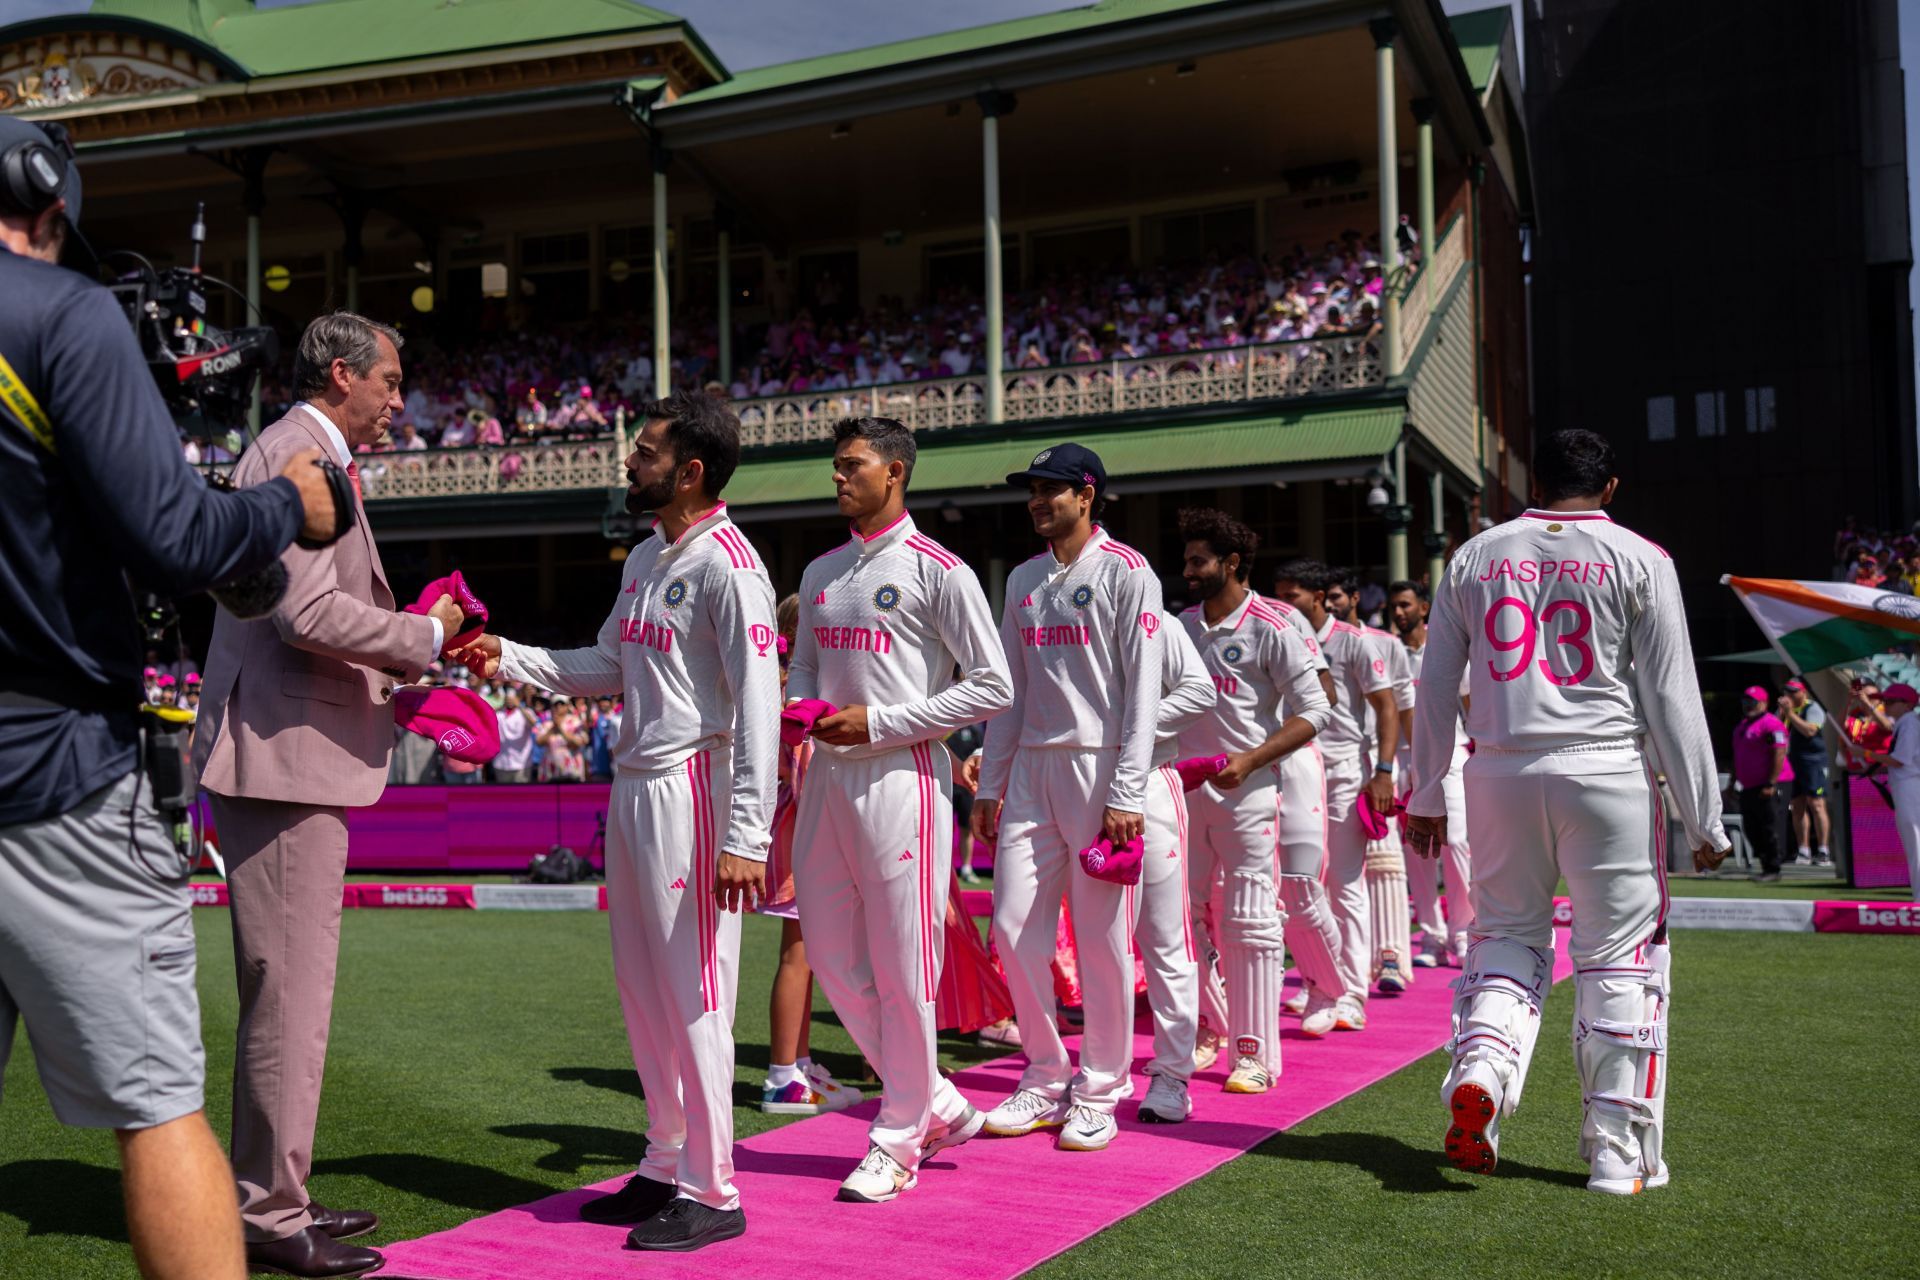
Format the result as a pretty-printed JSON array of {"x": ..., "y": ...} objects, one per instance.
[
  {"x": 993, "y": 105},
  {"x": 662, "y": 354}
]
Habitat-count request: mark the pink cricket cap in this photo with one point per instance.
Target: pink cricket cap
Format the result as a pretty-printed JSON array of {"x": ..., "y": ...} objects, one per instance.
[
  {"x": 1374, "y": 824},
  {"x": 1116, "y": 866},
  {"x": 1199, "y": 769},
  {"x": 1900, "y": 693},
  {"x": 1758, "y": 694},
  {"x": 165, "y": 682},
  {"x": 459, "y": 721},
  {"x": 797, "y": 720},
  {"x": 474, "y": 613},
  {"x": 1795, "y": 684}
]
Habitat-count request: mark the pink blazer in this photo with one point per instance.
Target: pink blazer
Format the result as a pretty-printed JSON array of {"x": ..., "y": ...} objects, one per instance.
[{"x": 297, "y": 706}]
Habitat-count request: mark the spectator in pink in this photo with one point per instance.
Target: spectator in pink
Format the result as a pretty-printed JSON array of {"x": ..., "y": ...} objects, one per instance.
[{"x": 1759, "y": 767}]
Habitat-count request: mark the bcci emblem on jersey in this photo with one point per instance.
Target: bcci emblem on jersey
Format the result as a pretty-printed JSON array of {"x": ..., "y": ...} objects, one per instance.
[
  {"x": 1231, "y": 653},
  {"x": 887, "y": 598},
  {"x": 1082, "y": 596},
  {"x": 675, "y": 594}
]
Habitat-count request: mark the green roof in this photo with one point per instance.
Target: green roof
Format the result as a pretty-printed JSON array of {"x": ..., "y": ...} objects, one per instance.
[
  {"x": 335, "y": 33},
  {"x": 1480, "y": 35},
  {"x": 901, "y": 53},
  {"x": 981, "y": 459}
]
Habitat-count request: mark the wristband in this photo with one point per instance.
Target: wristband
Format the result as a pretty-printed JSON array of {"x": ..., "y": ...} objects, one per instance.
[{"x": 1384, "y": 768}]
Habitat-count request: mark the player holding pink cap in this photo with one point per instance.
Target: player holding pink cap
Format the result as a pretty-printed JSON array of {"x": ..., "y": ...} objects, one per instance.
[
  {"x": 884, "y": 620},
  {"x": 1258, "y": 661},
  {"x": 1574, "y": 638},
  {"x": 690, "y": 643},
  {"x": 1081, "y": 629}
]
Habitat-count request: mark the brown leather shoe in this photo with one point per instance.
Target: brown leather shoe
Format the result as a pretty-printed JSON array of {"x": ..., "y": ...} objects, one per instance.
[
  {"x": 343, "y": 1224},
  {"x": 312, "y": 1252}
]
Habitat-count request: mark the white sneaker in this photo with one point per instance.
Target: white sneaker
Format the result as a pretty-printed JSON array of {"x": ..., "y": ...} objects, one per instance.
[
  {"x": 1804, "y": 858},
  {"x": 1025, "y": 1111},
  {"x": 1432, "y": 954},
  {"x": 1087, "y": 1129},
  {"x": 1296, "y": 1004},
  {"x": 877, "y": 1179},
  {"x": 1322, "y": 1016},
  {"x": 1473, "y": 1135},
  {"x": 1004, "y": 1034},
  {"x": 1250, "y": 1075},
  {"x": 1349, "y": 1014},
  {"x": 834, "y": 1096},
  {"x": 1206, "y": 1049},
  {"x": 966, "y": 1129},
  {"x": 1166, "y": 1102}
]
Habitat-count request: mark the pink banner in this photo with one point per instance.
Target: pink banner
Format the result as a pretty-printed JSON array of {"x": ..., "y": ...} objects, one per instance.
[
  {"x": 409, "y": 895},
  {"x": 1878, "y": 860},
  {"x": 209, "y": 895},
  {"x": 1866, "y": 917}
]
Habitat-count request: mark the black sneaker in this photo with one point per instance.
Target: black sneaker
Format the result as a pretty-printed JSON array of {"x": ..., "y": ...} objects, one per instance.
[
  {"x": 686, "y": 1225},
  {"x": 639, "y": 1200}
]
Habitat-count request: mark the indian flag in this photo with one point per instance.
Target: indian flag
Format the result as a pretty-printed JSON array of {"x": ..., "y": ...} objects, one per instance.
[{"x": 1820, "y": 624}]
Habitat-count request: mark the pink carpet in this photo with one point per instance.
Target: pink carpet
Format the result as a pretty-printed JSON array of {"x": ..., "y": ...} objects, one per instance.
[{"x": 787, "y": 1178}]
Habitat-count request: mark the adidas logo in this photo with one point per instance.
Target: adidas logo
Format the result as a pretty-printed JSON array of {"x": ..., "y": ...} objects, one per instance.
[
  {"x": 1027, "y": 603},
  {"x": 905, "y": 857},
  {"x": 821, "y": 598},
  {"x": 679, "y": 882},
  {"x": 632, "y": 587}
]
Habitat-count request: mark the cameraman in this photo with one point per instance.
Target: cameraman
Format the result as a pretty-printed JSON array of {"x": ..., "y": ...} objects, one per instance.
[{"x": 96, "y": 934}]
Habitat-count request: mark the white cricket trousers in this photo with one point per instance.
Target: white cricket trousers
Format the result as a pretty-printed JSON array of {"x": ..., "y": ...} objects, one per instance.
[
  {"x": 1455, "y": 867},
  {"x": 1054, "y": 807},
  {"x": 1236, "y": 842},
  {"x": 1346, "y": 873},
  {"x": 871, "y": 846},
  {"x": 1906, "y": 821},
  {"x": 1597, "y": 830},
  {"x": 676, "y": 960},
  {"x": 1165, "y": 930}
]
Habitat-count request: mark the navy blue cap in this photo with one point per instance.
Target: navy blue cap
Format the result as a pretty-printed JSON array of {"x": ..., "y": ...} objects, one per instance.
[{"x": 1076, "y": 464}]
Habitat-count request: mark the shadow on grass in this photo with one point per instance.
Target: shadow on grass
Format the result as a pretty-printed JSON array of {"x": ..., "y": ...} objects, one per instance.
[
  {"x": 1397, "y": 1165},
  {"x": 613, "y": 1079},
  {"x": 449, "y": 1182},
  {"x": 64, "y": 1198},
  {"x": 578, "y": 1145}
]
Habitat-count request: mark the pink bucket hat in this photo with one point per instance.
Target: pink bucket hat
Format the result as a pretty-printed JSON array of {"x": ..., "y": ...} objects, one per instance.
[{"x": 459, "y": 721}]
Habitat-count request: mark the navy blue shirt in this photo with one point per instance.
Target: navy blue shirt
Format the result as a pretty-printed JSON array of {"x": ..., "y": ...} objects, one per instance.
[{"x": 115, "y": 504}]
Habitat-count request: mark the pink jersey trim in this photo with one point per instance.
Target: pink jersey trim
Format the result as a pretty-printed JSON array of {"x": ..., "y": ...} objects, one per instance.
[
  {"x": 704, "y": 515},
  {"x": 1133, "y": 559},
  {"x": 705, "y": 872},
  {"x": 878, "y": 533},
  {"x": 933, "y": 551},
  {"x": 923, "y": 770},
  {"x": 1272, "y": 620},
  {"x": 737, "y": 549}
]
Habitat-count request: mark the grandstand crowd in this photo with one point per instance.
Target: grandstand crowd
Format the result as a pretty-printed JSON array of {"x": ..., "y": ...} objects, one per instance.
[{"x": 538, "y": 387}]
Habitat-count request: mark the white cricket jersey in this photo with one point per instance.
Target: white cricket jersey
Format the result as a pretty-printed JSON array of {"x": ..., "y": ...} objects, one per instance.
[
  {"x": 1573, "y": 636},
  {"x": 884, "y": 620},
  {"x": 1187, "y": 694},
  {"x": 1291, "y": 616},
  {"x": 1265, "y": 670},
  {"x": 1357, "y": 671},
  {"x": 690, "y": 643},
  {"x": 1416, "y": 659},
  {"x": 1083, "y": 646}
]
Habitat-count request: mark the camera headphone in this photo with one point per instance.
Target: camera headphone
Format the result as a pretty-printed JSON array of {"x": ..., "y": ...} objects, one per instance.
[{"x": 33, "y": 174}]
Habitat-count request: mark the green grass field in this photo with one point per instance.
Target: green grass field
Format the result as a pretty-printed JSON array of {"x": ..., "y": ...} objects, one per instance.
[{"x": 478, "y": 1062}]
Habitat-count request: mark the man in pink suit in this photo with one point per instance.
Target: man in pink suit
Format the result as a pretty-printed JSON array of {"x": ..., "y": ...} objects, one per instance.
[{"x": 295, "y": 727}]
